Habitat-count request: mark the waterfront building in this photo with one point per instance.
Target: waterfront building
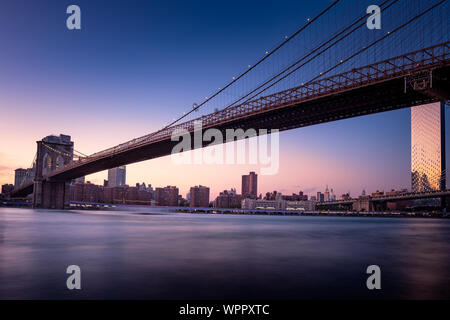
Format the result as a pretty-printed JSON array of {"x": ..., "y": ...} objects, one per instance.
[
  {"x": 301, "y": 205},
  {"x": 91, "y": 192},
  {"x": 228, "y": 199},
  {"x": 199, "y": 196},
  {"x": 278, "y": 204},
  {"x": 428, "y": 147},
  {"x": 88, "y": 192},
  {"x": 253, "y": 204},
  {"x": 19, "y": 177},
  {"x": 7, "y": 188},
  {"x": 167, "y": 196},
  {"x": 76, "y": 192}
]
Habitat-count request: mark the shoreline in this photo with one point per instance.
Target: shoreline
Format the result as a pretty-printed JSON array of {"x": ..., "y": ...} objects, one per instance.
[
  {"x": 258, "y": 212},
  {"x": 440, "y": 215}
]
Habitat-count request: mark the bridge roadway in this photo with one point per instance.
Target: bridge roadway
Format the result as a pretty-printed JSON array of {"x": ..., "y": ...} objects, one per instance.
[{"x": 412, "y": 79}]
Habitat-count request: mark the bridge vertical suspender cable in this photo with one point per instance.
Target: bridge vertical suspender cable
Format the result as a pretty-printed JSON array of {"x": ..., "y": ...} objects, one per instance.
[
  {"x": 309, "y": 54},
  {"x": 267, "y": 55},
  {"x": 353, "y": 55}
]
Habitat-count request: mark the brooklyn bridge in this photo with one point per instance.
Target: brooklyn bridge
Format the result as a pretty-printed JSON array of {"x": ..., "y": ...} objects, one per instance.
[{"x": 341, "y": 75}]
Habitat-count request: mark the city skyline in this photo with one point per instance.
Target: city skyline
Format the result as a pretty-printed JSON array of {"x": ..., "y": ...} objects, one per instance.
[
  {"x": 285, "y": 181},
  {"x": 109, "y": 91},
  {"x": 202, "y": 153}
]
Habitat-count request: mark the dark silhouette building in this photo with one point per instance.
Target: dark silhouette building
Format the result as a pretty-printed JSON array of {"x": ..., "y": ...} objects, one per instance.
[
  {"x": 19, "y": 177},
  {"x": 7, "y": 188}
]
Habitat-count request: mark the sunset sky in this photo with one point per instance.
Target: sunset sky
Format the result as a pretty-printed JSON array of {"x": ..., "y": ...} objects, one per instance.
[{"x": 130, "y": 69}]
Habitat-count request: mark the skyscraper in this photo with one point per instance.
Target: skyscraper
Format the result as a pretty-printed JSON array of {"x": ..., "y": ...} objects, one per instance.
[
  {"x": 19, "y": 177},
  {"x": 250, "y": 185},
  {"x": 428, "y": 147},
  {"x": 117, "y": 177},
  {"x": 320, "y": 197},
  {"x": 327, "y": 194}
]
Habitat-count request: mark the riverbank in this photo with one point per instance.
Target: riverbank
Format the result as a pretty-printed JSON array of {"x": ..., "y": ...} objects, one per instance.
[
  {"x": 236, "y": 211},
  {"x": 441, "y": 215}
]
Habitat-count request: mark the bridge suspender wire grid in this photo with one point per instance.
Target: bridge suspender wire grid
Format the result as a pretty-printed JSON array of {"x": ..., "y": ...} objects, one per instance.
[
  {"x": 331, "y": 52},
  {"x": 417, "y": 11},
  {"x": 395, "y": 67}
]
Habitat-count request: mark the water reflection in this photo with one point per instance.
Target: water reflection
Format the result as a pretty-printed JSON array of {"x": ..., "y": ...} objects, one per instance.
[{"x": 161, "y": 255}]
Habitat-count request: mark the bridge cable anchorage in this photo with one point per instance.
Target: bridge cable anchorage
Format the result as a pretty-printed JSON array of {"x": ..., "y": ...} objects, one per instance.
[
  {"x": 57, "y": 151},
  {"x": 363, "y": 17},
  {"x": 350, "y": 57},
  {"x": 253, "y": 66}
]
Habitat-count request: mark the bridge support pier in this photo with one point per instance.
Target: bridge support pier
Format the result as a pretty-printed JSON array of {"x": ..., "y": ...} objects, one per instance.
[
  {"x": 51, "y": 194},
  {"x": 52, "y": 153},
  {"x": 445, "y": 204}
]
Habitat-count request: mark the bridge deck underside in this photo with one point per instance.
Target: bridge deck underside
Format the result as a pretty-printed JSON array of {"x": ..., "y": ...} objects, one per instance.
[{"x": 373, "y": 98}]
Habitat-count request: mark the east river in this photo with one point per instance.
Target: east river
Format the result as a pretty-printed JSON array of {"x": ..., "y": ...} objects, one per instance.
[{"x": 148, "y": 253}]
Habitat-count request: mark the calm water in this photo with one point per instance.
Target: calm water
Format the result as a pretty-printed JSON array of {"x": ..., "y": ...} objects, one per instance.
[{"x": 147, "y": 254}]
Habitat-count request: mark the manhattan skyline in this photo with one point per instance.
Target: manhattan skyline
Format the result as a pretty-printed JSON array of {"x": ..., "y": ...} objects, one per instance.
[{"x": 103, "y": 87}]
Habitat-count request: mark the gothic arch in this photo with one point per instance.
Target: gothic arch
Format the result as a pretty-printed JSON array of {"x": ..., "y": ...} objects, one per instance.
[
  {"x": 59, "y": 163},
  {"x": 46, "y": 163}
]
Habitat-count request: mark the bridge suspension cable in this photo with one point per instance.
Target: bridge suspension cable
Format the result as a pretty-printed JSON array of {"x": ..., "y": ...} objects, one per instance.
[
  {"x": 338, "y": 37},
  {"x": 251, "y": 67},
  {"x": 321, "y": 74},
  {"x": 28, "y": 175},
  {"x": 308, "y": 55}
]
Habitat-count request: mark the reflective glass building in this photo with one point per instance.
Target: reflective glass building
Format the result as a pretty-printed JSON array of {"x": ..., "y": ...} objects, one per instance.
[
  {"x": 117, "y": 177},
  {"x": 428, "y": 147}
]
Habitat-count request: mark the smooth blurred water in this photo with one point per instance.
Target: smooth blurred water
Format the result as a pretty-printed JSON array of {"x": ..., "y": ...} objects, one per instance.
[{"x": 152, "y": 254}]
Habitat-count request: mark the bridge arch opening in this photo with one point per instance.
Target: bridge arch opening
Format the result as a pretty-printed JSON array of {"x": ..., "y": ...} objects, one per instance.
[
  {"x": 46, "y": 164},
  {"x": 59, "y": 162}
]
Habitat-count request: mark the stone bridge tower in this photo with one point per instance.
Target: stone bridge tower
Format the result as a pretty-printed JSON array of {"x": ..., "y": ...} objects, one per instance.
[{"x": 53, "y": 152}]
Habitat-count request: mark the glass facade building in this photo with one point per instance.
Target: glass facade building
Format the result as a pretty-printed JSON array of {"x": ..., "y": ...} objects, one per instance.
[
  {"x": 117, "y": 177},
  {"x": 428, "y": 147}
]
